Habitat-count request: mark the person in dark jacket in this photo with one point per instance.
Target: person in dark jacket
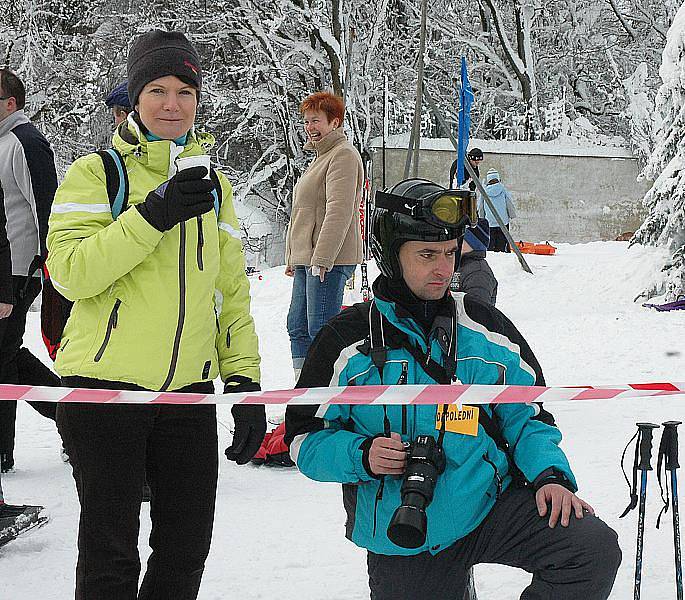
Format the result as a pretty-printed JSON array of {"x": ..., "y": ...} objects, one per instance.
[
  {"x": 475, "y": 158},
  {"x": 462, "y": 505},
  {"x": 29, "y": 180},
  {"x": 475, "y": 277}
]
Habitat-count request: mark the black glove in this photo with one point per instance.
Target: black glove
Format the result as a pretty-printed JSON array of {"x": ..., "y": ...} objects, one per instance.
[
  {"x": 184, "y": 196},
  {"x": 250, "y": 422}
]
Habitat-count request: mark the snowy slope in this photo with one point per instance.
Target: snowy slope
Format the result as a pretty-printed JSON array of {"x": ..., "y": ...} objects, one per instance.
[{"x": 278, "y": 534}]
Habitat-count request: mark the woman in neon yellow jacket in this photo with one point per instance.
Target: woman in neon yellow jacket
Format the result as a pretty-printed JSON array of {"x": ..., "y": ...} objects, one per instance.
[{"x": 161, "y": 302}]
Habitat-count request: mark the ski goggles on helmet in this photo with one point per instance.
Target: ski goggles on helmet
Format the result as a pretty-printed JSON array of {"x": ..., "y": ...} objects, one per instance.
[{"x": 445, "y": 208}]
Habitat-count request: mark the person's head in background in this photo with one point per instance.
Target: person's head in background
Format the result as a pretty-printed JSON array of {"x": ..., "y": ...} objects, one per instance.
[
  {"x": 475, "y": 156},
  {"x": 117, "y": 101},
  {"x": 492, "y": 177},
  {"x": 12, "y": 94}
]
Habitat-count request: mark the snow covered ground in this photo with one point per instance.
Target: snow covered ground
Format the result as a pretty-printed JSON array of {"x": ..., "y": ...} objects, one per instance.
[{"x": 280, "y": 535}]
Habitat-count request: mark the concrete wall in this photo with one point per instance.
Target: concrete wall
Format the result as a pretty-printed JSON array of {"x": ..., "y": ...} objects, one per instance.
[{"x": 558, "y": 197}]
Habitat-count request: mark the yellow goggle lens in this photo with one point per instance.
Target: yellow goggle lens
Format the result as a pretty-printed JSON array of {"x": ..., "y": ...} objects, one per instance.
[{"x": 448, "y": 209}]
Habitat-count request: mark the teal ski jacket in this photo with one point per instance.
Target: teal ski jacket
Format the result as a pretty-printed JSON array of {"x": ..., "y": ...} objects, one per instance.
[{"x": 326, "y": 441}]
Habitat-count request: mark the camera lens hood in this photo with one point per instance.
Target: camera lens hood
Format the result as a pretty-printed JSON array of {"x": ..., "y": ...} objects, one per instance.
[{"x": 407, "y": 527}]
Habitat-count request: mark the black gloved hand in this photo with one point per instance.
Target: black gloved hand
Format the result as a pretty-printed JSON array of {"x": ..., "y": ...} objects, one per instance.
[
  {"x": 184, "y": 196},
  {"x": 250, "y": 422}
]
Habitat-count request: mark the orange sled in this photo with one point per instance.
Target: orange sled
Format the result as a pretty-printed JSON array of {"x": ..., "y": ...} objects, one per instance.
[{"x": 531, "y": 248}]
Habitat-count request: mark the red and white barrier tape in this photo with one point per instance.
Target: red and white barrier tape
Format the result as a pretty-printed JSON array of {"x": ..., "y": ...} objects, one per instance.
[{"x": 369, "y": 394}]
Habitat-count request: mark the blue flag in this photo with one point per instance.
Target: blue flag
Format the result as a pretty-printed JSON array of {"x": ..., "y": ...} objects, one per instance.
[{"x": 465, "y": 102}]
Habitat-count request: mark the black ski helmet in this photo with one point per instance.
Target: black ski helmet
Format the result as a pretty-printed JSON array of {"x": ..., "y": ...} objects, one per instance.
[{"x": 389, "y": 230}]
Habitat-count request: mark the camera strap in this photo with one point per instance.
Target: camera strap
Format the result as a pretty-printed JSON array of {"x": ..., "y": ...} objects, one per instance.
[{"x": 378, "y": 351}]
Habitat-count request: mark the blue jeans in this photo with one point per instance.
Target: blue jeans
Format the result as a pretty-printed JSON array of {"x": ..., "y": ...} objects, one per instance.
[{"x": 312, "y": 304}]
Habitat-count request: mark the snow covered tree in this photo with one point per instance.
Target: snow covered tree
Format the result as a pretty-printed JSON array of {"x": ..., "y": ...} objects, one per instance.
[
  {"x": 665, "y": 223},
  {"x": 262, "y": 57},
  {"x": 593, "y": 51}
]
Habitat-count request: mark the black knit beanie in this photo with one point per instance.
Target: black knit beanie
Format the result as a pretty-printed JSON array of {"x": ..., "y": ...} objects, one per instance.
[{"x": 158, "y": 54}]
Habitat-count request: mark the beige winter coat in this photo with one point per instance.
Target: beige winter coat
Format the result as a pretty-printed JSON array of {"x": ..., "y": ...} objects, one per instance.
[{"x": 324, "y": 225}]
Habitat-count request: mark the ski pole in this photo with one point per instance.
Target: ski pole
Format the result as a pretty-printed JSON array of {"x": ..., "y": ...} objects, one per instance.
[
  {"x": 668, "y": 456},
  {"x": 642, "y": 462}
]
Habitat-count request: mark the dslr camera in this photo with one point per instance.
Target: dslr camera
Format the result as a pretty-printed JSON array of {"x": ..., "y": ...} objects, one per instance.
[{"x": 425, "y": 461}]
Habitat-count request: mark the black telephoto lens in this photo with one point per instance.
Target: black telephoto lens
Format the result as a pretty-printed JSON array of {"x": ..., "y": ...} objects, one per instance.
[{"x": 425, "y": 462}]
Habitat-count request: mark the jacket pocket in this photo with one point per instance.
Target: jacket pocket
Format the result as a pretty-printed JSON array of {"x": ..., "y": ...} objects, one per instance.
[
  {"x": 111, "y": 324},
  {"x": 302, "y": 225}
]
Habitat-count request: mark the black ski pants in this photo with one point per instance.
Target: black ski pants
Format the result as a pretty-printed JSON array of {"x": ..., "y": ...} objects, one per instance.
[
  {"x": 111, "y": 447},
  {"x": 18, "y": 365},
  {"x": 498, "y": 241},
  {"x": 568, "y": 563}
]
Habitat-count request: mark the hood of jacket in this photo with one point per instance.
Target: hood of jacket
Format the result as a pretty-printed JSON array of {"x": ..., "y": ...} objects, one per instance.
[
  {"x": 495, "y": 190},
  {"x": 11, "y": 121}
]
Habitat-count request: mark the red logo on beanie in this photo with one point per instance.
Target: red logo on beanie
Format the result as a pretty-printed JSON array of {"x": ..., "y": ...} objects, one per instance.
[{"x": 191, "y": 66}]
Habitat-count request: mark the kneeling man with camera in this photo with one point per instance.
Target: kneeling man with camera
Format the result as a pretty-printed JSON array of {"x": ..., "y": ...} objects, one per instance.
[{"x": 431, "y": 490}]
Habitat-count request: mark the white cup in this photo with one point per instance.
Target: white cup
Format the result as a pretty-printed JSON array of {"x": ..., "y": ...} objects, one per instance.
[{"x": 187, "y": 162}]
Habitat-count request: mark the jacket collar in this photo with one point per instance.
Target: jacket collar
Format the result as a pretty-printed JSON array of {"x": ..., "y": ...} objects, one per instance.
[
  {"x": 334, "y": 138},
  {"x": 160, "y": 155},
  {"x": 397, "y": 311},
  {"x": 11, "y": 121}
]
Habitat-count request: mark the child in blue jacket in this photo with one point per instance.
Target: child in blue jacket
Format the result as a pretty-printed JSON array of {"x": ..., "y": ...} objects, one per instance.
[{"x": 504, "y": 205}]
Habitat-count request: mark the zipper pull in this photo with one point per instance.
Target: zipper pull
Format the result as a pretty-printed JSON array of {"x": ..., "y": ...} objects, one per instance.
[
  {"x": 405, "y": 373},
  {"x": 498, "y": 477},
  {"x": 379, "y": 497},
  {"x": 115, "y": 314}
]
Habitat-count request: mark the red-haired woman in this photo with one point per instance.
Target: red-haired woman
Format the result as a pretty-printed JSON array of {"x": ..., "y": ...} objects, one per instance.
[{"x": 323, "y": 244}]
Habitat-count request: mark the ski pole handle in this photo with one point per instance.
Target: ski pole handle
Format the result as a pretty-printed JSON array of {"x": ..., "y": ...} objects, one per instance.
[
  {"x": 646, "y": 431},
  {"x": 671, "y": 456}
]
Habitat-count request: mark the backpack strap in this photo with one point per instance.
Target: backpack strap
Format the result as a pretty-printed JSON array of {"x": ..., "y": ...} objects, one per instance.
[{"x": 117, "y": 180}]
